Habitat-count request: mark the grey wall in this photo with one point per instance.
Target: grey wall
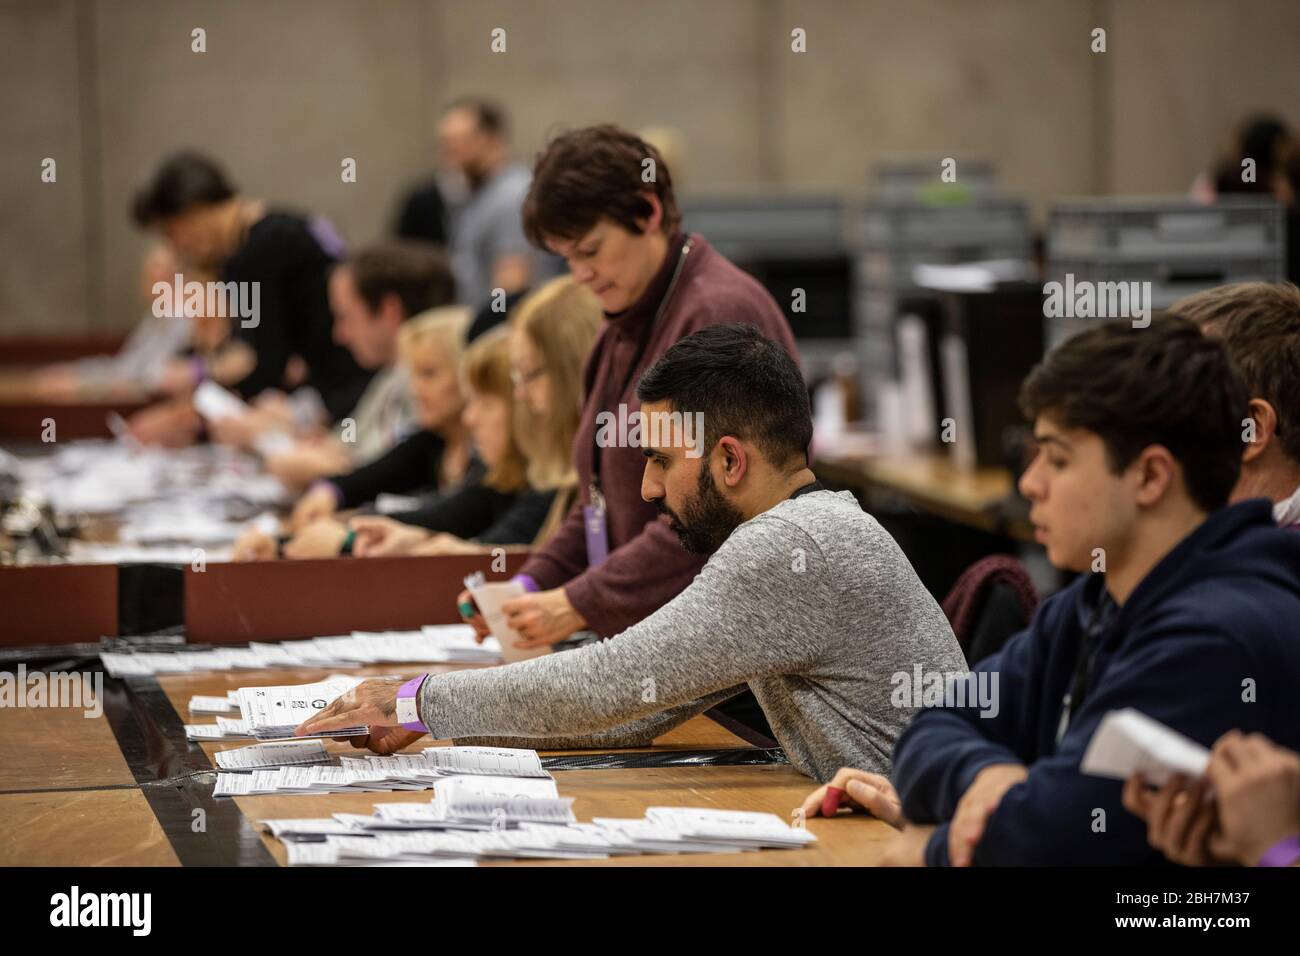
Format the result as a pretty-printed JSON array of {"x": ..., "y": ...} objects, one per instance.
[{"x": 289, "y": 88}]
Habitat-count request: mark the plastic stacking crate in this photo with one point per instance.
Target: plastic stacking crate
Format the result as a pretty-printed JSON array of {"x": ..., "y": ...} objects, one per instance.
[
  {"x": 895, "y": 236},
  {"x": 1178, "y": 245}
]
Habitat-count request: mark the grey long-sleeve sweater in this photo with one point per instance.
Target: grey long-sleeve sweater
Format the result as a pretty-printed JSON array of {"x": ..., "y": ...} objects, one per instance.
[{"x": 812, "y": 604}]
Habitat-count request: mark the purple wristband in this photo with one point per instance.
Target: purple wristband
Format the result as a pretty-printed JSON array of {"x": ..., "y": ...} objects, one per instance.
[
  {"x": 1284, "y": 852},
  {"x": 527, "y": 581},
  {"x": 408, "y": 704},
  {"x": 196, "y": 369}
]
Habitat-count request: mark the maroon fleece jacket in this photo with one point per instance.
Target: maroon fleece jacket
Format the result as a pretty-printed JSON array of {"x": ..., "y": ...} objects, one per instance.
[{"x": 646, "y": 566}]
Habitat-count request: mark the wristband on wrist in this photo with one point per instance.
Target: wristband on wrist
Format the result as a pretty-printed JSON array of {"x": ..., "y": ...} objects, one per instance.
[
  {"x": 408, "y": 704},
  {"x": 1285, "y": 852},
  {"x": 527, "y": 581}
]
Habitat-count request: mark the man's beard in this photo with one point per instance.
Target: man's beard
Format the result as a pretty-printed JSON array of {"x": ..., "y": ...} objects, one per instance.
[{"x": 706, "y": 520}]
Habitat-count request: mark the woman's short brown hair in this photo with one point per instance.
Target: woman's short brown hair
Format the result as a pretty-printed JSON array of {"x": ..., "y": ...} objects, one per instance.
[{"x": 592, "y": 172}]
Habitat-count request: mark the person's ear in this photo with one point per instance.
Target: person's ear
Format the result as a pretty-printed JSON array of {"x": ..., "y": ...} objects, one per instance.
[
  {"x": 1263, "y": 423},
  {"x": 1155, "y": 471},
  {"x": 654, "y": 221},
  {"x": 733, "y": 460}
]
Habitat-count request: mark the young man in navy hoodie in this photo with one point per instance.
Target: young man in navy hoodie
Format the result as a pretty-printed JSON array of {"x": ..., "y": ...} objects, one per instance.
[{"x": 1185, "y": 609}]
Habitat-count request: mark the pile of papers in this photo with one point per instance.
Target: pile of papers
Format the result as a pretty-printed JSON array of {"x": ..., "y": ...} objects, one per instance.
[
  {"x": 305, "y": 766},
  {"x": 432, "y": 644},
  {"x": 416, "y": 833}
]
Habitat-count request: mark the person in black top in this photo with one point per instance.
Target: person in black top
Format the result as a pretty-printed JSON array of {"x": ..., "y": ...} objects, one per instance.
[
  {"x": 423, "y": 216},
  {"x": 273, "y": 266}
]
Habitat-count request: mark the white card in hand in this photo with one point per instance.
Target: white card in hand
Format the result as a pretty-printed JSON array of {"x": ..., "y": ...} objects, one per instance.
[
  {"x": 489, "y": 596},
  {"x": 215, "y": 403},
  {"x": 1128, "y": 742}
]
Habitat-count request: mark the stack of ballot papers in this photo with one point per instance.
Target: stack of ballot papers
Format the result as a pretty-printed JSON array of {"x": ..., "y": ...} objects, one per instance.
[
  {"x": 305, "y": 766},
  {"x": 1128, "y": 741},
  {"x": 272, "y": 713},
  {"x": 434, "y": 644},
  {"x": 456, "y": 830}
]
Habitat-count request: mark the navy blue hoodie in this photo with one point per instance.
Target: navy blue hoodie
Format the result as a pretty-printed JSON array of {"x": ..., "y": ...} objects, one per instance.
[{"x": 1207, "y": 642}]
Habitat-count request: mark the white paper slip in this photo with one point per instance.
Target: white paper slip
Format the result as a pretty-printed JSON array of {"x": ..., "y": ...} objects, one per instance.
[
  {"x": 307, "y": 827},
  {"x": 233, "y": 785},
  {"x": 1128, "y": 742},
  {"x": 203, "y": 732},
  {"x": 732, "y": 827},
  {"x": 215, "y": 403},
  {"x": 282, "y": 754},
  {"x": 233, "y": 728},
  {"x": 489, "y": 761},
  {"x": 213, "y": 705},
  {"x": 489, "y": 597}
]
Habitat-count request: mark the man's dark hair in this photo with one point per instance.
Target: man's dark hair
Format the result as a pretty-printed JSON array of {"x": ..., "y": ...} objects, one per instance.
[
  {"x": 184, "y": 180},
  {"x": 746, "y": 386},
  {"x": 1166, "y": 384},
  {"x": 416, "y": 272},
  {"x": 1259, "y": 325},
  {"x": 588, "y": 173},
  {"x": 491, "y": 117}
]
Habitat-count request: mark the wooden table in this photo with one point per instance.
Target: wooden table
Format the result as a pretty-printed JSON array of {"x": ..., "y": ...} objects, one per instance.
[
  {"x": 70, "y": 796},
  {"x": 931, "y": 483}
]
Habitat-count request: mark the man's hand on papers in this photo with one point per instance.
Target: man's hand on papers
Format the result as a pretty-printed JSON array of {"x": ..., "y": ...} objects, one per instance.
[
  {"x": 1257, "y": 786},
  {"x": 977, "y": 804},
  {"x": 862, "y": 791},
  {"x": 384, "y": 740},
  {"x": 372, "y": 703},
  {"x": 544, "y": 617}
]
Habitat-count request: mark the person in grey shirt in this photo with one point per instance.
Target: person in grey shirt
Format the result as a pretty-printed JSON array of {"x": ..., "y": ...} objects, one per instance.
[
  {"x": 806, "y": 599},
  {"x": 488, "y": 248}
]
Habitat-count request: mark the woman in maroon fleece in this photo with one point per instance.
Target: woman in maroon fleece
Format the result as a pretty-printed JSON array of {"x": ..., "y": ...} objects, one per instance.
[{"x": 602, "y": 198}]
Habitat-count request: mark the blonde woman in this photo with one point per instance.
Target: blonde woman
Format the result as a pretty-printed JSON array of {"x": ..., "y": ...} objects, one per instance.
[
  {"x": 524, "y": 385},
  {"x": 436, "y": 458}
]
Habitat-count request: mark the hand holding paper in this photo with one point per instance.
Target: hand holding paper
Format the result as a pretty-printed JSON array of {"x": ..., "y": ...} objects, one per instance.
[{"x": 372, "y": 703}]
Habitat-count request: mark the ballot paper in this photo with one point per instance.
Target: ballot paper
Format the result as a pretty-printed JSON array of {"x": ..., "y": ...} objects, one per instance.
[
  {"x": 500, "y": 801},
  {"x": 215, "y": 403},
  {"x": 204, "y": 732},
  {"x": 272, "y": 713},
  {"x": 279, "y": 754},
  {"x": 489, "y": 597},
  {"x": 200, "y": 704},
  {"x": 1128, "y": 742},
  {"x": 737, "y": 828},
  {"x": 489, "y": 761}
]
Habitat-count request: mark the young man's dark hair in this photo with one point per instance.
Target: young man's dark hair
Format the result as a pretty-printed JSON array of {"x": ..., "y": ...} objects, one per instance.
[
  {"x": 415, "y": 272},
  {"x": 183, "y": 180},
  {"x": 598, "y": 171},
  {"x": 1259, "y": 325},
  {"x": 491, "y": 117},
  {"x": 744, "y": 384},
  {"x": 1166, "y": 384}
]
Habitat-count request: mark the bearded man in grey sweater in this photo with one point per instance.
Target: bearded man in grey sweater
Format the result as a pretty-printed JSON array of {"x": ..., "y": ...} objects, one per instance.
[{"x": 805, "y": 598}]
